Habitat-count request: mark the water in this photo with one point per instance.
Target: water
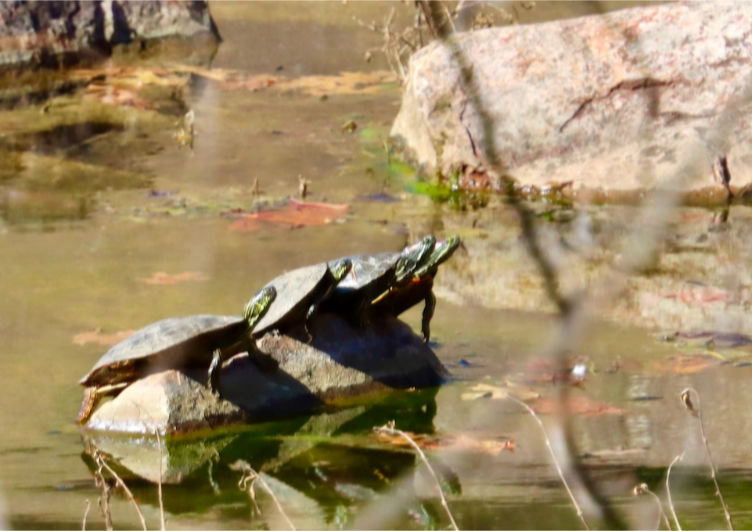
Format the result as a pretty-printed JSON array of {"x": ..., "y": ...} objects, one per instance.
[{"x": 78, "y": 243}]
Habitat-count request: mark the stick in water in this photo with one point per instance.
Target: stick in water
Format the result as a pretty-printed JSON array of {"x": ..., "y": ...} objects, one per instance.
[
  {"x": 553, "y": 456},
  {"x": 98, "y": 457},
  {"x": 641, "y": 490},
  {"x": 250, "y": 476},
  {"x": 162, "y": 527},
  {"x": 391, "y": 430},
  {"x": 668, "y": 489},
  {"x": 694, "y": 408}
]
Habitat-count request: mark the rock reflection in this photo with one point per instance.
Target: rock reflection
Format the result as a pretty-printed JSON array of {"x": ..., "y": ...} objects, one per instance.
[{"x": 329, "y": 460}]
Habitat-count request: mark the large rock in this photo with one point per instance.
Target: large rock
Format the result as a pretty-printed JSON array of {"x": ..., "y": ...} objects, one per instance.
[
  {"x": 55, "y": 33},
  {"x": 341, "y": 363},
  {"x": 613, "y": 102}
]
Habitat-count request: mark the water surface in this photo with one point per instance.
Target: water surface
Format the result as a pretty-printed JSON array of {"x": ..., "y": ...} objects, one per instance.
[{"x": 92, "y": 211}]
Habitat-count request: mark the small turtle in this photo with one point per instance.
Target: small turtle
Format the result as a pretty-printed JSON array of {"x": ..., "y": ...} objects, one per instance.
[
  {"x": 373, "y": 274},
  {"x": 419, "y": 286},
  {"x": 203, "y": 340},
  {"x": 298, "y": 294}
]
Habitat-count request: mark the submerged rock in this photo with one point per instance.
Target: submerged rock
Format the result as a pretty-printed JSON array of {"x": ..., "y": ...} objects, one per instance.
[
  {"x": 340, "y": 364},
  {"x": 620, "y": 101}
]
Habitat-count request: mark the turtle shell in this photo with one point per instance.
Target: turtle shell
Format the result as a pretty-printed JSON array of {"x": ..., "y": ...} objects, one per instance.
[
  {"x": 296, "y": 291},
  {"x": 368, "y": 270},
  {"x": 171, "y": 343}
]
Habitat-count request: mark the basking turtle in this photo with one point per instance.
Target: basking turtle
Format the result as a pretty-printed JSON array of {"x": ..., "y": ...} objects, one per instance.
[
  {"x": 417, "y": 286},
  {"x": 371, "y": 275},
  {"x": 414, "y": 256},
  {"x": 203, "y": 340},
  {"x": 299, "y": 292}
]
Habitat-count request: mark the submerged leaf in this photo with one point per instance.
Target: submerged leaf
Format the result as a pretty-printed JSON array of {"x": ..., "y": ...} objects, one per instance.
[
  {"x": 160, "y": 278},
  {"x": 687, "y": 364},
  {"x": 96, "y": 336},
  {"x": 699, "y": 295},
  {"x": 520, "y": 392},
  {"x": 461, "y": 442},
  {"x": 296, "y": 214},
  {"x": 576, "y": 405}
]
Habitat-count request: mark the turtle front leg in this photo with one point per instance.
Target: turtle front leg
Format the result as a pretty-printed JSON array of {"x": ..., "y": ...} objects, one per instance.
[
  {"x": 309, "y": 315},
  {"x": 92, "y": 397},
  {"x": 428, "y": 310},
  {"x": 215, "y": 367}
]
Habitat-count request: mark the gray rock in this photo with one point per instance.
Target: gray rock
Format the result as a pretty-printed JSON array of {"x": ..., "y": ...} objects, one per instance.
[
  {"x": 57, "y": 33},
  {"x": 614, "y": 102},
  {"x": 340, "y": 364}
]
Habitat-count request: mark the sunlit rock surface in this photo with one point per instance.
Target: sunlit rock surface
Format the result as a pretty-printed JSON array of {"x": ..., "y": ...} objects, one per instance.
[
  {"x": 339, "y": 364},
  {"x": 57, "y": 33},
  {"x": 618, "y": 101}
]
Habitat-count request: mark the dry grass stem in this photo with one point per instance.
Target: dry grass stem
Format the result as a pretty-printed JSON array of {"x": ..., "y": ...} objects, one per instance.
[
  {"x": 248, "y": 479},
  {"x": 100, "y": 460},
  {"x": 391, "y": 430},
  {"x": 532, "y": 413},
  {"x": 86, "y": 513},
  {"x": 104, "y": 498},
  {"x": 668, "y": 489},
  {"x": 641, "y": 490},
  {"x": 693, "y": 406},
  {"x": 159, "y": 485}
]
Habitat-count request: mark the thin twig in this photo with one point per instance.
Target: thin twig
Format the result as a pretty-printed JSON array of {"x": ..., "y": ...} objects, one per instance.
[
  {"x": 162, "y": 525},
  {"x": 530, "y": 410},
  {"x": 391, "y": 430},
  {"x": 86, "y": 513},
  {"x": 98, "y": 457},
  {"x": 641, "y": 490},
  {"x": 247, "y": 482},
  {"x": 104, "y": 498},
  {"x": 668, "y": 490},
  {"x": 694, "y": 408},
  {"x": 251, "y": 477}
]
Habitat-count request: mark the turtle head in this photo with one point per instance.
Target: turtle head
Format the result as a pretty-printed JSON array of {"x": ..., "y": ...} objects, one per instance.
[
  {"x": 340, "y": 269},
  {"x": 414, "y": 257},
  {"x": 258, "y": 305},
  {"x": 444, "y": 250},
  {"x": 440, "y": 254}
]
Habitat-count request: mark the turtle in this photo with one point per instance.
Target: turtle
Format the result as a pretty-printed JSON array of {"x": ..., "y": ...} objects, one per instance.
[
  {"x": 298, "y": 294},
  {"x": 417, "y": 286},
  {"x": 204, "y": 340},
  {"x": 371, "y": 275}
]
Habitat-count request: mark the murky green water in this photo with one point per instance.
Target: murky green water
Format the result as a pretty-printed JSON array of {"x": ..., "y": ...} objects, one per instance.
[{"x": 78, "y": 243}]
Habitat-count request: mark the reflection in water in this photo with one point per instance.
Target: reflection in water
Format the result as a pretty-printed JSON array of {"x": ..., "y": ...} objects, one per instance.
[
  {"x": 638, "y": 423},
  {"x": 329, "y": 459}
]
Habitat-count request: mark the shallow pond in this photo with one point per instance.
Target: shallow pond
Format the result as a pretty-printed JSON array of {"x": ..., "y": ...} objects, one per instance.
[{"x": 165, "y": 230}]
